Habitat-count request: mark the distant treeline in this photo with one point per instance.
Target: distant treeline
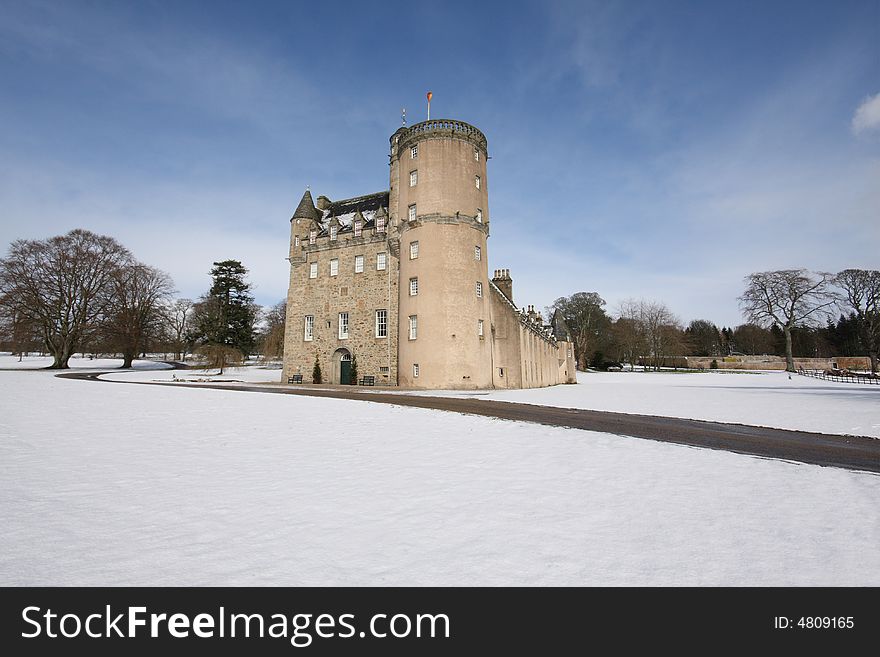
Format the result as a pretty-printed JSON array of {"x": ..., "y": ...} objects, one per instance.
[{"x": 790, "y": 313}]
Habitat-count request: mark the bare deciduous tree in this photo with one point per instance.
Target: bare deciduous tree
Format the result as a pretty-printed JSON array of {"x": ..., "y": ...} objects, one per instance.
[
  {"x": 787, "y": 298},
  {"x": 63, "y": 285},
  {"x": 628, "y": 332},
  {"x": 861, "y": 295},
  {"x": 272, "y": 343},
  {"x": 662, "y": 330},
  {"x": 177, "y": 316},
  {"x": 136, "y": 315}
]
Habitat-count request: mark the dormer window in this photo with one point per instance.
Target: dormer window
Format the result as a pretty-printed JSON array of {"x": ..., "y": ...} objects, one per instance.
[
  {"x": 358, "y": 227},
  {"x": 333, "y": 231},
  {"x": 413, "y": 151},
  {"x": 380, "y": 224}
]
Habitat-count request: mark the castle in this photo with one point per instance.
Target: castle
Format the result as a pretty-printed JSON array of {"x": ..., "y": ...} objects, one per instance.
[{"x": 398, "y": 280}]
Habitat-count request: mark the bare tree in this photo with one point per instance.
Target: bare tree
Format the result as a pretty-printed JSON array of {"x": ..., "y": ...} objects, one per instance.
[
  {"x": 861, "y": 295},
  {"x": 63, "y": 285},
  {"x": 177, "y": 316},
  {"x": 272, "y": 342},
  {"x": 662, "y": 330},
  {"x": 136, "y": 316},
  {"x": 628, "y": 332},
  {"x": 787, "y": 298}
]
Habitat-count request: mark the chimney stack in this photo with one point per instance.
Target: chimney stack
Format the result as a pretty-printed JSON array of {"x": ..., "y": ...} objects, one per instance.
[{"x": 504, "y": 282}]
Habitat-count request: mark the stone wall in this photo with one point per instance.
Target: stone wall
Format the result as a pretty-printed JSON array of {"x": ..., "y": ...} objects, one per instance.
[
  {"x": 774, "y": 362},
  {"x": 324, "y": 297}
]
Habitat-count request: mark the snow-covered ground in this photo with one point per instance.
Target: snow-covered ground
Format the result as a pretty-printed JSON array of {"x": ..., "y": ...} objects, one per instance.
[
  {"x": 8, "y": 361},
  {"x": 104, "y": 484},
  {"x": 768, "y": 399},
  {"x": 249, "y": 374}
]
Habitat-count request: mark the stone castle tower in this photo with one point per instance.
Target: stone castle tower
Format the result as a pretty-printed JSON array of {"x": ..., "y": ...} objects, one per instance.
[
  {"x": 439, "y": 200},
  {"x": 398, "y": 280}
]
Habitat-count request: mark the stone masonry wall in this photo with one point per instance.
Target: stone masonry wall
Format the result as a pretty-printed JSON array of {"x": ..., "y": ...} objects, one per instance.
[{"x": 324, "y": 297}]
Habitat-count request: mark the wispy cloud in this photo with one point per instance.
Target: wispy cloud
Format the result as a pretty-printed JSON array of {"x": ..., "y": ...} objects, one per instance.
[{"x": 867, "y": 116}]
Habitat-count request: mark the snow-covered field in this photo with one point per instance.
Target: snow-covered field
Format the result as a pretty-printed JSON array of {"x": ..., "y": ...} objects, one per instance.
[
  {"x": 104, "y": 484},
  {"x": 768, "y": 399},
  {"x": 8, "y": 361}
]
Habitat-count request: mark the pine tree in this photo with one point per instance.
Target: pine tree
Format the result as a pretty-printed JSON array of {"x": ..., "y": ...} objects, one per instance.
[{"x": 226, "y": 314}]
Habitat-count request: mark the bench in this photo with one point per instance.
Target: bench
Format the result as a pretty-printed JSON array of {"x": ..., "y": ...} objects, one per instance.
[
  {"x": 368, "y": 381},
  {"x": 296, "y": 378}
]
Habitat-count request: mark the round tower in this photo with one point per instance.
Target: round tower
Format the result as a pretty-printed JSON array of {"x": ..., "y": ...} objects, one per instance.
[{"x": 439, "y": 204}]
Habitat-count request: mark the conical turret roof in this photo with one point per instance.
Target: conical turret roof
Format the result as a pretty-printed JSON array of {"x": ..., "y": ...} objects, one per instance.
[{"x": 306, "y": 208}]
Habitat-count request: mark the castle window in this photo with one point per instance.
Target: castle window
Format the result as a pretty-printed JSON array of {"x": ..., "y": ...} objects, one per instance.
[
  {"x": 413, "y": 178},
  {"x": 358, "y": 264},
  {"x": 413, "y": 151},
  {"x": 334, "y": 267},
  {"x": 335, "y": 229},
  {"x": 384, "y": 370},
  {"x": 479, "y": 290},
  {"x": 380, "y": 224},
  {"x": 413, "y": 250},
  {"x": 358, "y": 226},
  {"x": 343, "y": 326},
  {"x": 380, "y": 261},
  {"x": 476, "y": 155},
  {"x": 413, "y": 287},
  {"x": 309, "y": 328},
  {"x": 413, "y": 327},
  {"x": 480, "y": 327},
  {"x": 313, "y": 235},
  {"x": 478, "y": 253},
  {"x": 313, "y": 270},
  {"x": 477, "y": 181},
  {"x": 381, "y": 323},
  {"x": 296, "y": 240},
  {"x": 412, "y": 212},
  {"x": 479, "y": 215},
  {"x": 415, "y": 370}
]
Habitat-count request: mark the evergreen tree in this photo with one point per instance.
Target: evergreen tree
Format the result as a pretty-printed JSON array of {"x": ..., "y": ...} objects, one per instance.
[
  {"x": 316, "y": 371},
  {"x": 226, "y": 314}
]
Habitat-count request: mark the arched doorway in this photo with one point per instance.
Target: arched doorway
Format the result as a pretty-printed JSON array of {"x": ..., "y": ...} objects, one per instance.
[{"x": 342, "y": 367}]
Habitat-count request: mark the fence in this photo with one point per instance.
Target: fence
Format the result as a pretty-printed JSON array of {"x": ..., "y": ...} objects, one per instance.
[{"x": 841, "y": 378}]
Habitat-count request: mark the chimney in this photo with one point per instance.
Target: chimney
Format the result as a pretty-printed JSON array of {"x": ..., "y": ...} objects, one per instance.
[{"x": 504, "y": 282}]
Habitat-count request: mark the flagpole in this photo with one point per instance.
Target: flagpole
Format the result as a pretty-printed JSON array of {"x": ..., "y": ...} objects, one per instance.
[{"x": 429, "y": 104}]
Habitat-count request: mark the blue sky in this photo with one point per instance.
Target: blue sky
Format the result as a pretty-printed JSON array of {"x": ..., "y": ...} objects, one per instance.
[{"x": 639, "y": 149}]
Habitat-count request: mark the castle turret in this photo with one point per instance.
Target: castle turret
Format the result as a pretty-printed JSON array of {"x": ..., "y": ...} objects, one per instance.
[{"x": 439, "y": 207}]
